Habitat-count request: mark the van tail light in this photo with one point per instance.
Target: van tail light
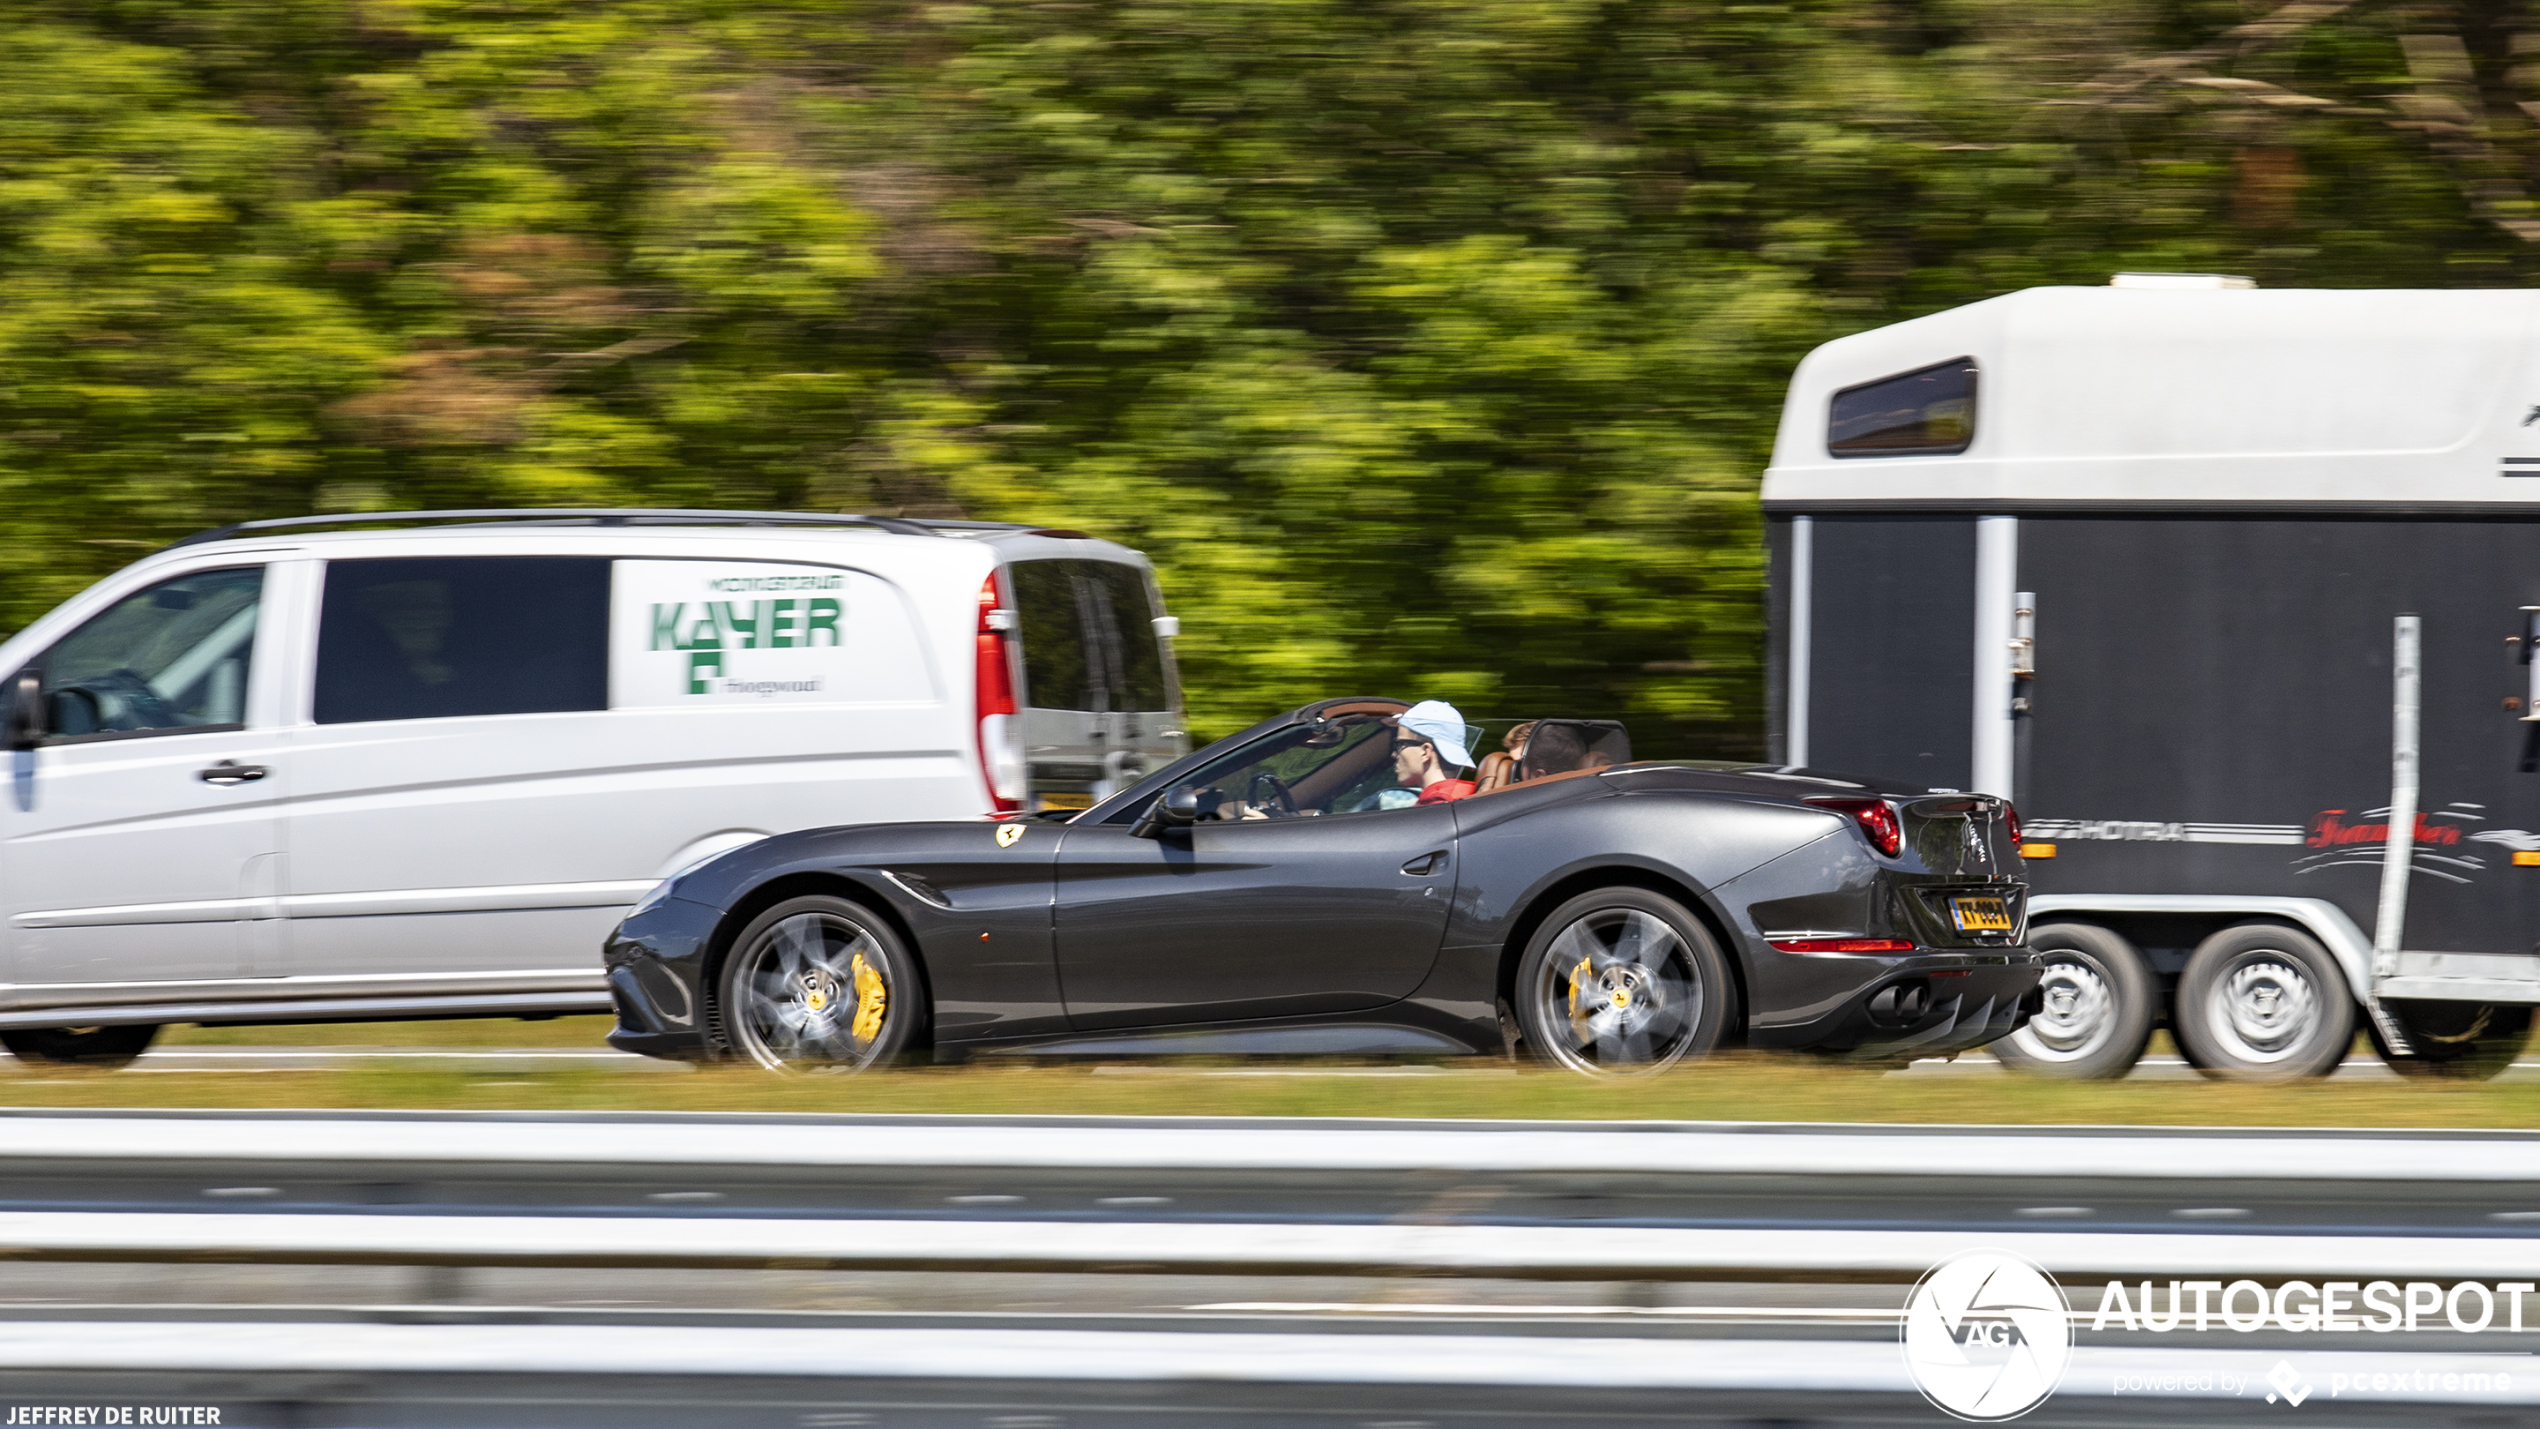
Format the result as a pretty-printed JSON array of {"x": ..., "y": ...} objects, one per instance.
[
  {"x": 1000, "y": 742},
  {"x": 2011, "y": 821},
  {"x": 1842, "y": 945},
  {"x": 1876, "y": 817}
]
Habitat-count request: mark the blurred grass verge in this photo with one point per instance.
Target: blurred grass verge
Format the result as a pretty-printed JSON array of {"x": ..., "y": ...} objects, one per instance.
[
  {"x": 550, "y": 1034},
  {"x": 1735, "y": 1088}
]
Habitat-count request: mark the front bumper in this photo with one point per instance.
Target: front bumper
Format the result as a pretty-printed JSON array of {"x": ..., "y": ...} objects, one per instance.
[{"x": 656, "y": 970}]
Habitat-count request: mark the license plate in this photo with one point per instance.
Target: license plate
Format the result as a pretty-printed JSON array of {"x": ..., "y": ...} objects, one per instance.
[{"x": 1980, "y": 915}]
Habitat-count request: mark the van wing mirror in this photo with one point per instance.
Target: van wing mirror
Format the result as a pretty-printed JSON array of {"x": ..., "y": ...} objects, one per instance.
[
  {"x": 1178, "y": 809},
  {"x": 22, "y": 710}
]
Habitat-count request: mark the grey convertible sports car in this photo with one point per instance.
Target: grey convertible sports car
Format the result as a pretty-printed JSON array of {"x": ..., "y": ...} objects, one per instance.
[{"x": 1269, "y": 894}]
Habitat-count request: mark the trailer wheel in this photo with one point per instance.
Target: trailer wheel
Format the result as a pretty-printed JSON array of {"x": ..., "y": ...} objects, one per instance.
[
  {"x": 2465, "y": 1041},
  {"x": 2262, "y": 1002},
  {"x": 2099, "y": 1003}
]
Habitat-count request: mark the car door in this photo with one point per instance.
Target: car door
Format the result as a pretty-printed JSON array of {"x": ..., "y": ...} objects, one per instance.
[
  {"x": 141, "y": 835},
  {"x": 1258, "y": 911}
]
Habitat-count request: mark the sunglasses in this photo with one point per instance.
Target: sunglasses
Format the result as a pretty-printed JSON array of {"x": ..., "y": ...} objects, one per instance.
[{"x": 1400, "y": 745}]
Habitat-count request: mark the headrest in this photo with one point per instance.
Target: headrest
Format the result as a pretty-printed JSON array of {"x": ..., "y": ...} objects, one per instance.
[{"x": 1560, "y": 746}]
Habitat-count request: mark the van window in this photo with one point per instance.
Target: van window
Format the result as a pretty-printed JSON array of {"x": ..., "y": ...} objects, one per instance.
[
  {"x": 1058, "y": 667},
  {"x": 1089, "y": 640},
  {"x": 1927, "y": 412},
  {"x": 169, "y": 658},
  {"x": 462, "y": 635},
  {"x": 1141, "y": 672}
]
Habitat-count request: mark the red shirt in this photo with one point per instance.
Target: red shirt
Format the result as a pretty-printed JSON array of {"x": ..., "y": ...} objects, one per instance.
[{"x": 1446, "y": 789}]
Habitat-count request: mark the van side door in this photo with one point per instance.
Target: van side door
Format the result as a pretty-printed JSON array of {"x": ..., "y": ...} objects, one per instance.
[{"x": 440, "y": 829}]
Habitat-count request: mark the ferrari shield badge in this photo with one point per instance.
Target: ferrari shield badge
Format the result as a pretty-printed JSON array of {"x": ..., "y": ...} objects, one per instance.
[{"x": 1008, "y": 835}]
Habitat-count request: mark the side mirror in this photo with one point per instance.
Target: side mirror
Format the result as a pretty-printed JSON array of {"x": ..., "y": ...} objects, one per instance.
[
  {"x": 1178, "y": 809},
  {"x": 22, "y": 710}
]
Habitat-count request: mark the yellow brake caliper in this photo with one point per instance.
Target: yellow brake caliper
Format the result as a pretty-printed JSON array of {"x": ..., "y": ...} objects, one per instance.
[
  {"x": 1578, "y": 1014},
  {"x": 871, "y": 997}
]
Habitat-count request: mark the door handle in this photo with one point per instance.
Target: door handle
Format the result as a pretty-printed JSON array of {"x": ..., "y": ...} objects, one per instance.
[
  {"x": 1425, "y": 863},
  {"x": 230, "y": 771}
]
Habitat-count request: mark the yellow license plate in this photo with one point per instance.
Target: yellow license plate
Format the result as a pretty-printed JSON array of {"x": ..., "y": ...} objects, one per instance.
[{"x": 1980, "y": 915}]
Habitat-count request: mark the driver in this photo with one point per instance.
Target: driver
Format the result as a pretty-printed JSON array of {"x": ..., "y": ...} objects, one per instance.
[{"x": 1428, "y": 747}]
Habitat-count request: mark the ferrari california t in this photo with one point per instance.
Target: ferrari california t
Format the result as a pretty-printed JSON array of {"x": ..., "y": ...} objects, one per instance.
[{"x": 1277, "y": 893}]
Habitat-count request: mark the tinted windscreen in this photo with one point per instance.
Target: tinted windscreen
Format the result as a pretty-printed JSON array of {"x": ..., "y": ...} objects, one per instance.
[
  {"x": 1059, "y": 670},
  {"x": 466, "y": 635},
  {"x": 1931, "y": 412}
]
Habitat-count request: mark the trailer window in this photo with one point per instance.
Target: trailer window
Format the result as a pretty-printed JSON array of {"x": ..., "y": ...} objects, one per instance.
[{"x": 1927, "y": 412}]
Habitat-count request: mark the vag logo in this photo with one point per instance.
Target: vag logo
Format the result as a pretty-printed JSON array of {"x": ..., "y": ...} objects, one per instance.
[
  {"x": 1986, "y": 1336},
  {"x": 1989, "y": 1334}
]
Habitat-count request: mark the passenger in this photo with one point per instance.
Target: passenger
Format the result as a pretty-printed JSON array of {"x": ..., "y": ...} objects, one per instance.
[
  {"x": 1428, "y": 747},
  {"x": 1514, "y": 741}
]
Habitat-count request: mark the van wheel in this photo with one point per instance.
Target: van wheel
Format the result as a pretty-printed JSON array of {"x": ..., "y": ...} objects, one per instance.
[
  {"x": 1622, "y": 981},
  {"x": 106, "y": 1047},
  {"x": 2466, "y": 1041},
  {"x": 2099, "y": 1003},
  {"x": 820, "y": 984},
  {"x": 2263, "y": 1003}
]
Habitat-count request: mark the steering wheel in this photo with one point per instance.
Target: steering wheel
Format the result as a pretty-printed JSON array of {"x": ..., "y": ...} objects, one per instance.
[
  {"x": 140, "y": 706},
  {"x": 1280, "y": 804}
]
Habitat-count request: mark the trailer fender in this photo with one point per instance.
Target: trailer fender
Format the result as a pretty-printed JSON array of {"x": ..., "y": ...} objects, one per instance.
[{"x": 2317, "y": 916}]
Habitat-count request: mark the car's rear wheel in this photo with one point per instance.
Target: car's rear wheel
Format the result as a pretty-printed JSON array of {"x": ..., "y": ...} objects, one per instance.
[
  {"x": 2098, "y": 1003},
  {"x": 2464, "y": 1041},
  {"x": 2262, "y": 1003},
  {"x": 820, "y": 984},
  {"x": 1622, "y": 981},
  {"x": 103, "y": 1047}
]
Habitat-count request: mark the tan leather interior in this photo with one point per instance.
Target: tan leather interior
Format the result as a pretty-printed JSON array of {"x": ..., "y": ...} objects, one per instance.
[
  {"x": 1548, "y": 778},
  {"x": 1497, "y": 771}
]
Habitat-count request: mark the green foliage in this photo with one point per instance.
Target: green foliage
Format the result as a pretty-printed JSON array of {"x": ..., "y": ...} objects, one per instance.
[{"x": 1430, "y": 348}]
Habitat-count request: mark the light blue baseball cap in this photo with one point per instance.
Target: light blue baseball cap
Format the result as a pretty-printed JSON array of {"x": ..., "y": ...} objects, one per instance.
[{"x": 1440, "y": 723}]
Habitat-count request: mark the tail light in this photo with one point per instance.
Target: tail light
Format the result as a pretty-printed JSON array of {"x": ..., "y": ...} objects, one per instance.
[
  {"x": 1000, "y": 743},
  {"x": 1842, "y": 945},
  {"x": 1876, "y": 819},
  {"x": 2011, "y": 821}
]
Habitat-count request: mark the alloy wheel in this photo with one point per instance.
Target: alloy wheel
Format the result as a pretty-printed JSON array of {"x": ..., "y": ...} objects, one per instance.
[
  {"x": 812, "y": 991},
  {"x": 1620, "y": 991}
]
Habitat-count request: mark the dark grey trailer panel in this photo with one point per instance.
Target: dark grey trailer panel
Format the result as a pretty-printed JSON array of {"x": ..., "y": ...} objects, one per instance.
[{"x": 2212, "y": 712}]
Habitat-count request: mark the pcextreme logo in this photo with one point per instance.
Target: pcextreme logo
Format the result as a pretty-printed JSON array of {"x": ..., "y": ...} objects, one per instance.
[{"x": 1986, "y": 1336}]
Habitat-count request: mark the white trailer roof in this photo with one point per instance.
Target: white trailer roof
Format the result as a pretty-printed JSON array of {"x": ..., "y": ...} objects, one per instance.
[{"x": 2122, "y": 397}]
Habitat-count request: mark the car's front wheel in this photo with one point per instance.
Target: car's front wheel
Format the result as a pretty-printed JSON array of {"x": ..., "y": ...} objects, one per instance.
[
  {"x": 102, "y": 1047},
  {"x": 1622, "y": 981},
  {"x": 820, "y": 984}
]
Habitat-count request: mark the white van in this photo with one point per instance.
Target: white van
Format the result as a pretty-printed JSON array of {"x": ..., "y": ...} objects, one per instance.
[{"x": 276, "y": 773}]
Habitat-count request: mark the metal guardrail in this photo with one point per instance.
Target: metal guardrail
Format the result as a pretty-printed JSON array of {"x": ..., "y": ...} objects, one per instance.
[
  {"x": 615, "y": 1353},
  {"x": 341, "y": 1143},
  {"x": 1513, "y": 1252}
]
